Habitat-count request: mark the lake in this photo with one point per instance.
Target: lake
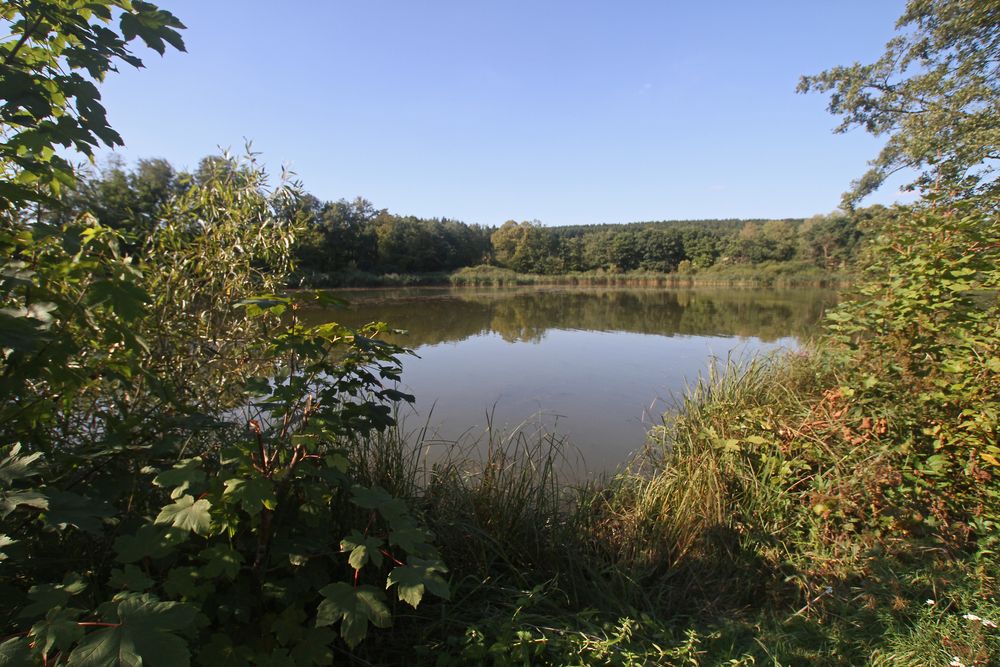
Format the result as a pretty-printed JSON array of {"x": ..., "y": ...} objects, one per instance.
[{"x": 598, "y": 365}]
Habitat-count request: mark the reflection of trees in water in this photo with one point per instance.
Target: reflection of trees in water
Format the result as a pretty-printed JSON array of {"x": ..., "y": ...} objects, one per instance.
[{"x": 526, "y": 315}]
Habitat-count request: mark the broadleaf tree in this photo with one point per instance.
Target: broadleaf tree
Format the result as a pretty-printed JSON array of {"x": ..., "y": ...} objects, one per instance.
[
  {"x": 934, "y": 94},
  {"x": 50, "y": 64}
]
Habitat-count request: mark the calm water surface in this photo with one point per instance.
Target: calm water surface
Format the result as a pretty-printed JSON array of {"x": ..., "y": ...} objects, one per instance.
[{"x": 600, "y": 365}]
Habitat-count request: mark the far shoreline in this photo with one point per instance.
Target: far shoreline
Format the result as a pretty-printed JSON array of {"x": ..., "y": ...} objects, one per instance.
[{"x": 777, "y": 274}]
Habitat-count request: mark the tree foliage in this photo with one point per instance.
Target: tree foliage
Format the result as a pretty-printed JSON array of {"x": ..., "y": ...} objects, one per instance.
[
  {"x": 341, "y": 239},
  {"x": 56, "y": 53},
  {"x": 934, "y": 94},
  {"x": 182, "y": 437},
  {"x": 921, "y": 339},
  {"x": 176, "y": 477}
]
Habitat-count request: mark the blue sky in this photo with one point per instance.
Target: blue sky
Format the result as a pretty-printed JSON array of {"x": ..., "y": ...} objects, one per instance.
[{"x": 566, "y": 112}]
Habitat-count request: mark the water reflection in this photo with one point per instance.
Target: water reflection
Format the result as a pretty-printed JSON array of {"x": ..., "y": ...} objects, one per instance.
[
  {"x": 436, "y": 315},
  {"x": 598, "y": 364}
]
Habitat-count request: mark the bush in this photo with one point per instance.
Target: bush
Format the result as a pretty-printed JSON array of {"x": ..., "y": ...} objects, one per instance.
[{"x": 179, "y": 480}]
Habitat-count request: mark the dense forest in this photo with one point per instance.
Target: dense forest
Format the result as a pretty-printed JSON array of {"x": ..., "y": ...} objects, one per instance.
[{"x": 345, "y": 237}]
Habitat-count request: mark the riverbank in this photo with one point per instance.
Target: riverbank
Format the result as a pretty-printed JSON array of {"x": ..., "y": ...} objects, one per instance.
[
  {"x": 753, "y": 530},
  {"x": 768, "y": 274}
]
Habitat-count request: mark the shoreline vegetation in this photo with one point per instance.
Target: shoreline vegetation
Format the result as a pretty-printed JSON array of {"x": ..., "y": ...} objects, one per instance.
[
  {"x": 192, "y": 474},
  {"x": 756, "y": 527},
  {"x": 766, "y": 274}
]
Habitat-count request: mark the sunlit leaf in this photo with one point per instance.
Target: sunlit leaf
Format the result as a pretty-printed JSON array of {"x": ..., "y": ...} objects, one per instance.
[
  {"x": 417, "y": 575},
  {"x": 187, "y": 514}
]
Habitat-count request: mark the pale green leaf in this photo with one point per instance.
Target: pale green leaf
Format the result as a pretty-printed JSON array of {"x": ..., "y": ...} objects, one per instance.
[
  {"x": 253, "y": 494},
  {"x": 188, "y": 514},
  {"x": 362, "y": 548},
  {"x": 412, "y": 579}
]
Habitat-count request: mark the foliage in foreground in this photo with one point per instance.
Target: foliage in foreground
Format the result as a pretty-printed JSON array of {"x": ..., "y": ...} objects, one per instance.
[{"x": 177, "y": 480}]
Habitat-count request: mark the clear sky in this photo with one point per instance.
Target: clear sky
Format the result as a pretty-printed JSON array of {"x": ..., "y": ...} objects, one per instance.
[{"x": 569, "y": 112}]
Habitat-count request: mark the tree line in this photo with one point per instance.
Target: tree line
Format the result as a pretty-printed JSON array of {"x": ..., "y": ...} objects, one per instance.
[{"x": 355, "y": 236}]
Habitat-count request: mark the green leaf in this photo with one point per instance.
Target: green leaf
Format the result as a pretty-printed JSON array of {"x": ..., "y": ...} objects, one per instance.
[
  {"x": 70, "y": 509},
  {"x": 126, "y": 299},
  {"x": 59, "y": 630},
  {"x": 221, "y": 561},
  {"x": 376, "y": 498},
  {"x": 221, "y": 652},
  {"x": 362, "y": 548},
  {"x": 181, "y": 477},
  {"x": 142, "y": 637},
  {"x": 289, "y": 624},
  {"x": 411, "y": 580},
  {"x": 11, "y": 501},
  {"x": 267, "y": 303},
  {"x": 414, "y": 540},
  {"x": 46, "y": 596},
  {"x": 277, "y": 658},
  {"x": 315, "y": 649},
  {"x": 186, "y": 582},
  {"x": 187, "y": 514},
  {"x": 337, "y": 461},
  {"x": 130, "y": 578},
  {"x": 14, "y": 466},
  {"x": 258, "y": 386},
  {"x": 5, "y": 541},
  {"x": 17, "y": 332},
  {"x": 354, "y": 608},
  {"x": 148, "y": 542},
  {"x": 253, "y": 494},
  {"x": 15, "y": 652}
]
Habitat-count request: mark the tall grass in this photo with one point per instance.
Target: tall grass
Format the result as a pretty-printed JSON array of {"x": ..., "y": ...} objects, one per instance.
[{"x": 733, "y": 538}]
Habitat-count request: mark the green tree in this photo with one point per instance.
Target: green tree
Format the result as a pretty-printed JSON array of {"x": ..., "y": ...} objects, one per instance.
[
  {"x": 934, "y": 94},
  {"x": 701, "y": 247},
  {"x": 597, "y": 249},
  {"x": 571, "y": 253},
  {"x": 626, "y": 250},
  {"x": 774, "y": 241},
  {"x": 173, "y": 444},
  {"x": 829, "y": 241},
  {"x": 526, "y": 247},
  {"x": 123, "y": 199},
  {"x": 662, "y": 249},
  {"x": 349, "y": 238}
]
